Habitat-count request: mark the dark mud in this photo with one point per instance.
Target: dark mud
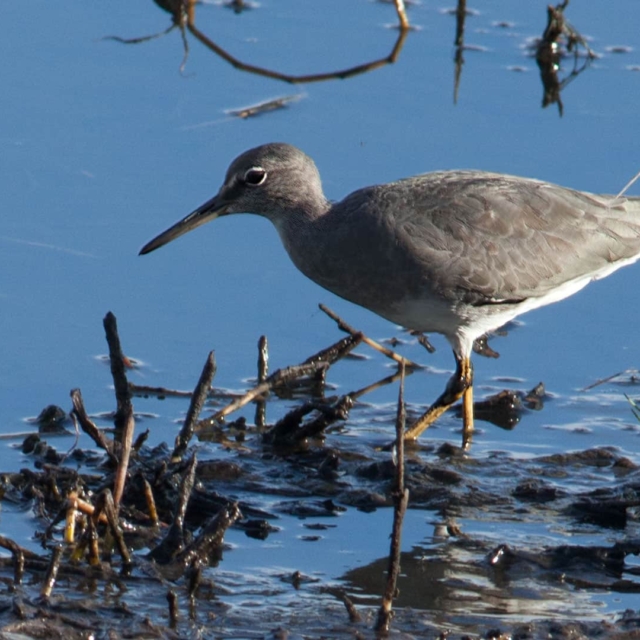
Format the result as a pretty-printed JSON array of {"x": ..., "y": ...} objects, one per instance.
[{"x": 512, "y": 547}]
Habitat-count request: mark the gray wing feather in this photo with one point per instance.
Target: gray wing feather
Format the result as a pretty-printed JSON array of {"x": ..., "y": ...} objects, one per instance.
[{"x": 488, "y": 238}]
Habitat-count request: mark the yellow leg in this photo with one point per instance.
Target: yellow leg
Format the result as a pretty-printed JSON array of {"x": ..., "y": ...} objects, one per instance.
[
  {"x": 467, "y": 416},
  {"x": 459, "y": 386}
]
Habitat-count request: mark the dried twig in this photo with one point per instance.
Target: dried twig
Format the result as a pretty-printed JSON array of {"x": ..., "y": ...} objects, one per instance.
[
  {"x": 400, "y": 500},
  {"x": 376, "y": 385},
  {"x": 628, "y": 185},
  {"x": 263, "y": 371},
  {"x": 287, "y": 431},
  {"x": 343, "y": 326},
  {"x": 212, "y": 536},
  {"x": 354, "y": 616},
  {"x": 161, "y": 392},
  {"x": 172, "y": 599},
  {"x": 123, "y": 420},
  {"x": 105, "y": 505},
  {"x": 116, "y": 360},
  {"x": 89, "y": 427},
  {"x": 198, "y": 399},
  {"x": 173, "y": 542},
  {"x": 608, "y": 379},
  {"x": 52, "y": 572},
  {"x": 402, "y": 15},
  {"x": 19, "y": 554},
  {"x": 337, "y": 350},
  {"x": 151, "y": 502},
  {"x": 263, "y": 107},
  {"x": 263, "y": 359},
  {"x": 277, "y": 378}
]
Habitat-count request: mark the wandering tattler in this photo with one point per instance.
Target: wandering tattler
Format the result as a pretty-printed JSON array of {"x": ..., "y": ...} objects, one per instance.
[{"x": 454, "y": 252}]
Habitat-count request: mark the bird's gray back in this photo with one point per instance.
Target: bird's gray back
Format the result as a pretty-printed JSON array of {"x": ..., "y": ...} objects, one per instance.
[{"x": 469, "y": 237}]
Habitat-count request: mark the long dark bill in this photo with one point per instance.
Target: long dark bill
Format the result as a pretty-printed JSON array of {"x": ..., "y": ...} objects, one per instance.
[{"x": 210, "y": 210}]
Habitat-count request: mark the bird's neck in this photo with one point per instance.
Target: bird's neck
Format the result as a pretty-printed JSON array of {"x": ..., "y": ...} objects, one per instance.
[{"x": 300, "y": 230}]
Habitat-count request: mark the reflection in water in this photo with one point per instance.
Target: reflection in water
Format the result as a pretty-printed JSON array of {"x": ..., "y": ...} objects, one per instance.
[
  {"x": 515, "y": 540},
  {"x": 558, "y": 41},
  {"x": 183, "y": 14},
  {"x": 508, "y": 568},
  {"x": 456, "y": 584},
  {"x": 179, "y": 15},
  {"x": 461, "y": 15},
  {"x": 628, "y": 377},
  {"x": 239, "y": 6},
  {"x": 295, "y": 79}
]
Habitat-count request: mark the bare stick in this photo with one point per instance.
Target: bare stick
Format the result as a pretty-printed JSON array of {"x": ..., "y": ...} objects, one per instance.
[
  {"x": 88, "y": 426},
  {"x": 288, "y": 431},
  {"x": 343, "y": 326},
  {"x": 624, "y": 190},
  {"x": 92, "y": 544},
  {"x": 401, "y": 418},
  {"x": 18, "y": 554},
  {"x": 375, "y": 385},
  {"x": 608, "y": 379},
  {"x": 212, "y": 535},
  {"x": 70, "y": 524},
  {"x": 116, "y": 359},
  {"x": 313, "y": 365},
  {"x": 105, "y": 506},
  {"x": 124, "y": 421},
  {"x": 52, "y": 572},
  {"x": 354, "y": 616},
  {"x": 145, "y": 390},
  {"x": 263, "y": 371},
  {"x": 18, "y": 568},
  {"x": 281, "y": 376},
  {"x": 402, "y": 15},
  {"x": 151, "y": 501},
  {"x": 337, "y": 350},
  {"x": 198, "y": 399},
  {"x": 14, "y": 547},
  {"x": 263, "y": 359},
  {"x": 174, "y": 540},
  {"x": 400, "y": 500},
  {"x": 174, "y": 612},
  {"x": 339, "y": 411},
  {"x": 86, "y": 507}
]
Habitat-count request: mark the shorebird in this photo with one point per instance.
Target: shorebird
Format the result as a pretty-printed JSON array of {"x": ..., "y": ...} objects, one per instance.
[{"x": 459, "y": 253}]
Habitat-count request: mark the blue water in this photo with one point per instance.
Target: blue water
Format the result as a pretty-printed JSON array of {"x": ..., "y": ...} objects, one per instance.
[
  {"x": 103, "y": 145},
  {"x": 103, "y": 148}
]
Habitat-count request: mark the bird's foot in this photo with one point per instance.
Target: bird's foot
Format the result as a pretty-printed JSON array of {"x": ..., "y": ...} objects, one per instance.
[{"x": 460, "y": 385}]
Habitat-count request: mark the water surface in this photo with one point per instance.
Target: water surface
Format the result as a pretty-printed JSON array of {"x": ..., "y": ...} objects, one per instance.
[{"x": 106, "y": 144}]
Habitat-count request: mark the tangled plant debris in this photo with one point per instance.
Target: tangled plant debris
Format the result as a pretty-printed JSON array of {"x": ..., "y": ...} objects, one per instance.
[{"x": 148, "y": 525}]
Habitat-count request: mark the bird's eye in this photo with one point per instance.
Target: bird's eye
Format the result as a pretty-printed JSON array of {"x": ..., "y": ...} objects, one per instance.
[{"x": 255, "y": 176}]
